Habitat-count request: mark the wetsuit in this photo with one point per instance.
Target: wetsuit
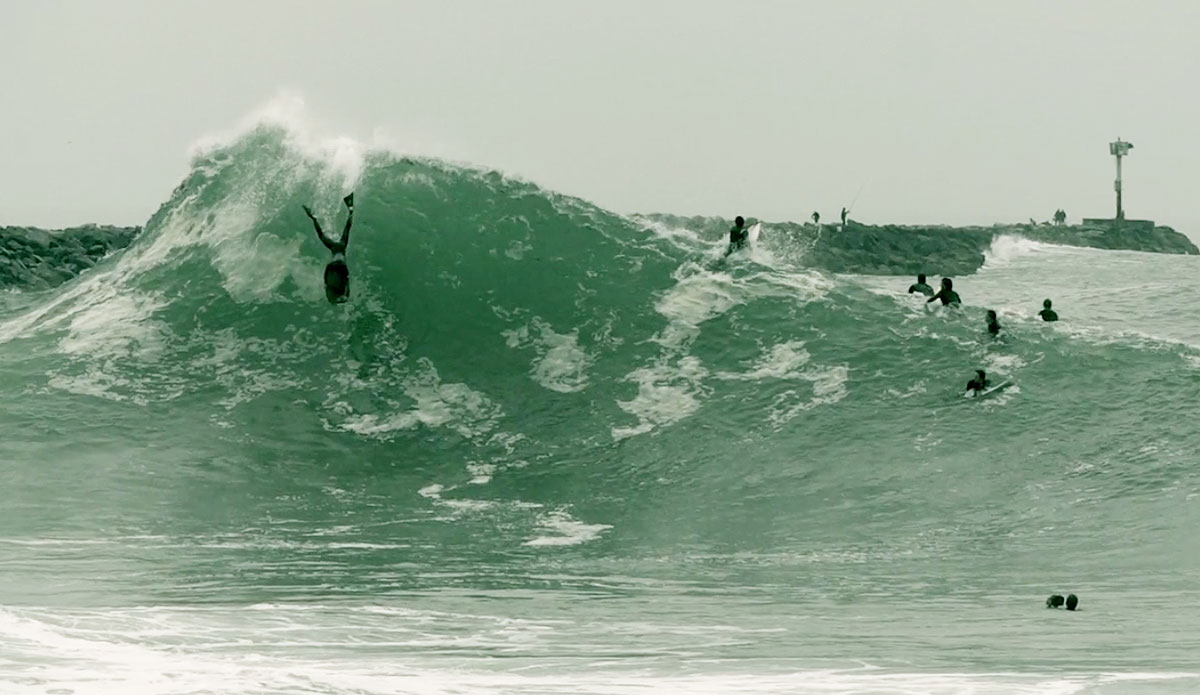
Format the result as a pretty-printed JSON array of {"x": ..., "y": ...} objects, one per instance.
[
  {"x": 737, "y": 238},
  {"x": 1048, "y": 315},
  {"x": 947, "y": 296},
  {"x": 977, "y": 384},
  {"x": 920, "y": 287},
  {"x": 994, "y": 327}
]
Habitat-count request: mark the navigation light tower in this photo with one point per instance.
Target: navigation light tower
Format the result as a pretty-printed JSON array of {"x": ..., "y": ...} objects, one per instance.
[{"x": 1119, "y": 149}]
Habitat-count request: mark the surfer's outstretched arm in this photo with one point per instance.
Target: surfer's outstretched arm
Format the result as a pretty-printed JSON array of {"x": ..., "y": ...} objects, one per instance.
[
  {"x": 346, "y": 231},
  {"x": 329, "y": 243}
]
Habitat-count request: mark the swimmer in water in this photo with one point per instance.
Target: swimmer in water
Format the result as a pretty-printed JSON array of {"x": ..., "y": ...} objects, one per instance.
[
  {"x": 921, "y": 286},
  {"x": 946, "y": 294},
  {"x": 993, "y": 325},
  {"x": 1047, "y": 313}
]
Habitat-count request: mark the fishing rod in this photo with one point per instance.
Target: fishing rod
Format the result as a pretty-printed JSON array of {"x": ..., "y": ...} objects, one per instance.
[{"x": 855, "y": 199}]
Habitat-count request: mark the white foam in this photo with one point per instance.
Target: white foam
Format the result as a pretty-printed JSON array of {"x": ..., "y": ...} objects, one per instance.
[
  {"x": 561, "y": 365},
  {"x": 561, "y": 530},
  {"x": 669, "y": 389},
  {"x": 1007, "y": 248},
  {"x": 667, "y": 392},
  {"x": 828, "y": 386},
  {"x": 117, "y": 326},
  {"x": 781, "y": 361},
  {"x": 306, "y": 134},
  {"x": 681, "y": 237},
  {"x": 791, "y": 361},
  {"x": 481, "y": 473},
  {"x": 695, "y": 298},
  {"x": 97, "y": 383},
  {"x": 1004, "y": 362},
  {"x": 456, "y": 406},
  {"x": 294, "y": 647}
]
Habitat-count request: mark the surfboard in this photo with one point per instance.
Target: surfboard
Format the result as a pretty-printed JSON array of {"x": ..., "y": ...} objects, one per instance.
[
  {"x": 753, "y": 232},
  {"x": 988, "y": 391}
]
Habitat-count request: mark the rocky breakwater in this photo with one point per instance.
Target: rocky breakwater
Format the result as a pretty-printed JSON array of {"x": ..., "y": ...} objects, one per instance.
[
  {"x": 933, "y": 249},
  {"x": 32, "y": 258},
  {"x": 1130, "y": 235},
  {"x": 907, "y": 250}
]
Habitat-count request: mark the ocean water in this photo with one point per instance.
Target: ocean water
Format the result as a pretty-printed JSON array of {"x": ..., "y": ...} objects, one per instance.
[{"x": 551, "y": 449}]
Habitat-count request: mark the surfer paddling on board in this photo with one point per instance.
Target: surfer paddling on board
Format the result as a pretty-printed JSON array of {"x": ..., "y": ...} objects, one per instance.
[
  {"x": 946, "y": 294},
  {"x": 337, "y": 273},
  {"x": 978, "y": 383},
  {"x": 738, "y": 235}
]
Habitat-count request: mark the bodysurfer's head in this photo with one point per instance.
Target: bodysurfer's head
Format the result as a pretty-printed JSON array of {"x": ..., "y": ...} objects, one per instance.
[
  {"x": 1046, "y": 304},
  {"x": 739, "y": 221},
  {"x": 1072, "y": 601},
  {"x": 921, "y": 278},
  {"x": 947, "y": 284}
]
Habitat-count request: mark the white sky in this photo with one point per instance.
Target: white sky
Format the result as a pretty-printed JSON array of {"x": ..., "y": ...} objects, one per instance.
[{"x": 955, "y": 111}]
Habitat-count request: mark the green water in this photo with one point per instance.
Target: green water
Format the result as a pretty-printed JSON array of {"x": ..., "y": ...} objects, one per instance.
[{"x": 550, "y": 449}]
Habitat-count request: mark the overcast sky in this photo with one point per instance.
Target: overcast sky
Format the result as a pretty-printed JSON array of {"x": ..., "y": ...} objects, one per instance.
[{"x": 927, "y": 111}]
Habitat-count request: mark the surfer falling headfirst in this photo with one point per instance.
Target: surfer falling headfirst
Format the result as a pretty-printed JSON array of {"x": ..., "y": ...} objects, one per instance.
[{"x": 337, "y": 273}]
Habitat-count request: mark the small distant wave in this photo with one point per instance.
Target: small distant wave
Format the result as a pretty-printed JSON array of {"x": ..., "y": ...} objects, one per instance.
[
  {"x": 1007, "y": 248},
  {"x": 561, "y": 529}
]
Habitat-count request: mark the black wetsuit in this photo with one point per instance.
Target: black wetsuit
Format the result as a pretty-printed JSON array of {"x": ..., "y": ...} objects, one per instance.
[
  {"x": 337, "y": 269},
  {"x": 920, "y": 287},
  {"x": 947, "y": 296},
  {"x": 1048, "y": 315},
  {"x": 977, "y": 384},
  {"x": 738, "y": 236},
  {"x": 994, "y": 327}
]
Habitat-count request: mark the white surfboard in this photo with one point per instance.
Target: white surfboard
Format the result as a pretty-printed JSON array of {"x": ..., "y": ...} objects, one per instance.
[
  {"x": 988, "y": 391},
  {"x": 753, "y": 232}
]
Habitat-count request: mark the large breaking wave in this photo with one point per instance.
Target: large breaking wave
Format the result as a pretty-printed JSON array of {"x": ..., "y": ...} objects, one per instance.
[{"x": 611, "y": 371}]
